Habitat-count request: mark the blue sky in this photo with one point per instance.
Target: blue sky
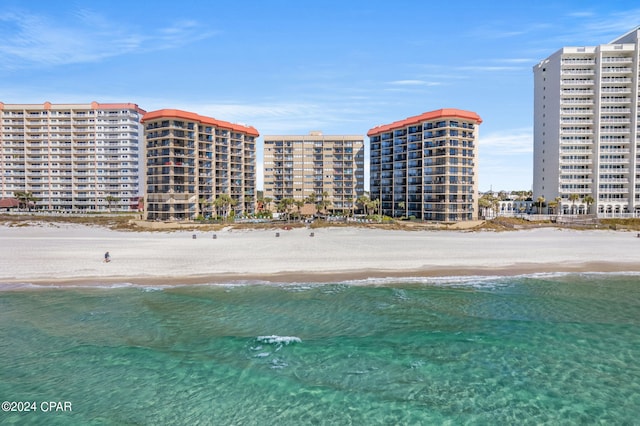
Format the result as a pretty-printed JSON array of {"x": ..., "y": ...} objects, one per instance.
[{"x": 289, "y": 67}]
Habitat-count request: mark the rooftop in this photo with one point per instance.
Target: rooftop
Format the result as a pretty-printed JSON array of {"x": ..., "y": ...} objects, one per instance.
[
  {"x": 426, "y": 116},
  {"x": 185, "y": 115}
]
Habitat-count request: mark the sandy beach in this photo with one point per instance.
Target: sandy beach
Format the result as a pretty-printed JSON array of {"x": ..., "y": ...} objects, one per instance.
[{"x": 65, "y": 253}]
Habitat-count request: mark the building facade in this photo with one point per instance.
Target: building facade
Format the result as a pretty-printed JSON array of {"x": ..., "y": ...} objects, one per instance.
[
  {"x": 302, "y": 166},
  {"x": 426, "y": 166},
  {"x": 72, "y": 157},
  {"x": 586, "y": 146},
  {"x": 191, "y": 160}
]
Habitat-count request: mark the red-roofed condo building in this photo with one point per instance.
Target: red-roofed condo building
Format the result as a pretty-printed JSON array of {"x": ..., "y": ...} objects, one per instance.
[
  {"x": 72, "y": 157},
  {"x": 192, "y": 160},
  {"x": 425, "y": 166}
]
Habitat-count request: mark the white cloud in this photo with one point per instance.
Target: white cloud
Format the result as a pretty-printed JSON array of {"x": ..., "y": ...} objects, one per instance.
[
  {"x": 616, "y": 23},
  {"x": 489, "y": 68},
  {"x": 414, "y": 83},
  {"x": 494, "y": 30},
  {"x": 409, "y": 86},
  {"x": 590, "y": 28},
  {"x": 507, "y": 142},
  {"x": 517, "y": 60},
  {"x": 29, "y": 39},
  {"x": 279, "y": 117},
  {"x": 581, "y": 14}
]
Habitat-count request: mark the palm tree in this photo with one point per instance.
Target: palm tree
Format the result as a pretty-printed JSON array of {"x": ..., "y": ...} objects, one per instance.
[
  {"x": 310, "y": 199},
  {"x": 323, "y": 203},
  {"x": 224, "y": 201},
  {"x": 25, "y": 199},
  {"x": 484, "y": 203},
  {"x": 490, "y": 203},
  {"x": 365, "y": 202},
  {"x": 110, "y": 199},
  {"x": 495, "y": 205},
  {"x": 540, "y": 201},
  {"x": 285, "y": 205},
  {"x": 352, "y": 206},
  {"x": 555, "y": 205},
  {"x": 520, "y": 195},
  {"x": 267, "y": 202},
  {"x": 401, "y": 206},
  {"x": 573, "y": 198},
  {"x": 376, "y": 205},
  {"x": 299, "y": 205},
  {"x": 202, "y": 205},
  {"x": 263, "y": 202},
  {"x": 588, "y": 200}
]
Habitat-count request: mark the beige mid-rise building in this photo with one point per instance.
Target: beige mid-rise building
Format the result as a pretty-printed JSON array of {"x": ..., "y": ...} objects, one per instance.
[
  {"x": 192, "y": 160},
  {"x": 72, "y": 157},
  {"x": 315, "y": 166}
]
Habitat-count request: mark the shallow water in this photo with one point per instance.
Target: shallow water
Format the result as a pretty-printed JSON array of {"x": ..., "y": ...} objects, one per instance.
[{"x": 542, "y": 349}]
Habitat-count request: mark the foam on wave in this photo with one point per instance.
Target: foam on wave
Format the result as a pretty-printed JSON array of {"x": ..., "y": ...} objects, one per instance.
[
  {"x": 278, "y": 340},
  {"x": 475, "y": 281}
]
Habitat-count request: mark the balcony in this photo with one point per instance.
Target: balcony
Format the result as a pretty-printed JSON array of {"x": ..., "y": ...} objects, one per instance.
[
  {"x": 569, "y": 141},
  {"x": 619, "y": 120},
  {"x": 568, "y": 151},
  {"x": 612, "y": 80},
  {"x": 572, "y": 121},
  {"x": 575, "y": 131},
  {"x": 576, "y": 161},
  {"x": 617, "y": 60},
  {"x": 622, "y": 90},
  {"x": 615, "y": 151},
  {"x": 578, "y": 61},
  {"x": 614, "y": 180},
  {"x": 619, "y": 130},
  {"x": 579, "y": 92},
  {"x": 616, "y": 70},
  {"x": 576, "y": 180},
  {"x": 614, "y": 190},
  {"x": 576, "y": 101},
  {"x": 576, "y": 71},
  {"x": 576, "y": 111}
]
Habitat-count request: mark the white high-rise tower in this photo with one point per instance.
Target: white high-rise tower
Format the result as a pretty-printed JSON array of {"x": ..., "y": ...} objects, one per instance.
[{"x": 586, "y": 143}]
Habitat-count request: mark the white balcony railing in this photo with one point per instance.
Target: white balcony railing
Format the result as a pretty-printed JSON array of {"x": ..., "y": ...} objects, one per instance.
[
  {"x": 576, "y": 131},
  {"x": 576, "y": 102},
  {"x": 617, "y": 59}
]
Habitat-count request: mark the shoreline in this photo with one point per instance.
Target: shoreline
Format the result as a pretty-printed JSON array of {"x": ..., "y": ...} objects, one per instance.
[
  {"x": 353, "y": 277},
  {"x": 73, "y": 255}
]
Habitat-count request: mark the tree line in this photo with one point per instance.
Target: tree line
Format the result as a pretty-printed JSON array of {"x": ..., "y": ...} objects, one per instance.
[{"x": 491, "y": 201}]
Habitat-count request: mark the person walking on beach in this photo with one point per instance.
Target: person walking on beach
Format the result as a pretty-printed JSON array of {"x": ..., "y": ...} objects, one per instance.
[{"x": 107, "y": 257}]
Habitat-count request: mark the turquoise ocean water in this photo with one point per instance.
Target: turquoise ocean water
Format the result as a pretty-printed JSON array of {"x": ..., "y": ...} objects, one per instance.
[{"x": 540, "y": 349}]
